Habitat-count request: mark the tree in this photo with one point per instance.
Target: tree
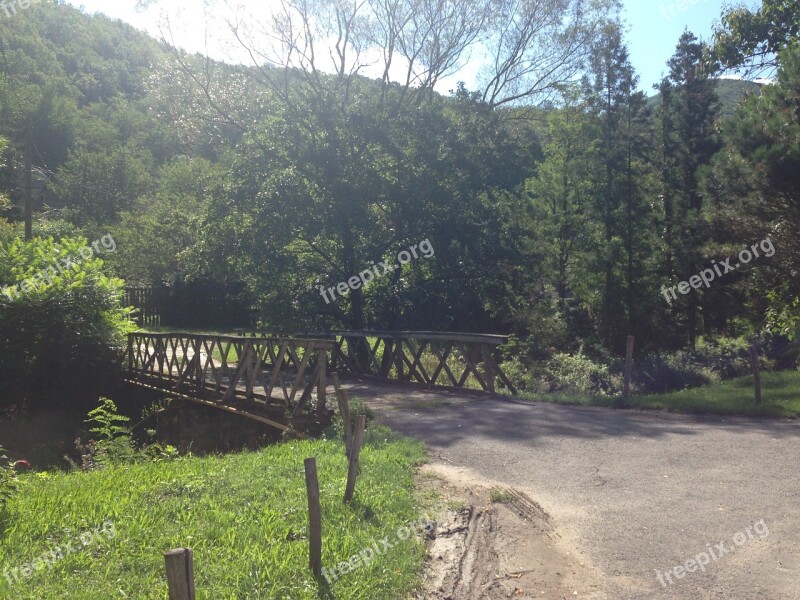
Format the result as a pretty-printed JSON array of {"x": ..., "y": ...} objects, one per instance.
[
  {"x": 752, "y": 40},
  {"x": 755, "y": 184},
  {"x": 95, "y": 187},
  {"x": 562, "y": 230},
  {"x": 687, "y": 116},
  {"x": 157, "y": 235},
  {"x": 616, "y": 107},
  {"x": 537, "y": 46},
  {"x": 353, "y": 168}
]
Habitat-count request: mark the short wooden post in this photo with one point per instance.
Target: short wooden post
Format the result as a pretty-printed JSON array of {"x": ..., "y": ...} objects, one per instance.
[
  {"x": 314, "y": 517},
  {"x": 628, "y": 367},
  {"x": 352, "y": 471},
  {"x": 756, "y": 373},
  {"x": 488, "y": 366},
  {"x": 180, "y": 573},
  {"x": 344, "y": 411}
]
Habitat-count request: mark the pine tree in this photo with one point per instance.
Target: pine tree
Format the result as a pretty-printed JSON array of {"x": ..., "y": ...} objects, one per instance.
[{"x": 689, "y": 140}]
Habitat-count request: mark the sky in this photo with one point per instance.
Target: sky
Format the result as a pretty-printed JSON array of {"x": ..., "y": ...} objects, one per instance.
[{"x": 654, "y": 27}]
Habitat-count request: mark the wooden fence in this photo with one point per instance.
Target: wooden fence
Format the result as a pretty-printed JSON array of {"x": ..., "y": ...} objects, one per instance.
[
  {"x": 149, "y": 301},
  {"x": 194, "y": 305}
]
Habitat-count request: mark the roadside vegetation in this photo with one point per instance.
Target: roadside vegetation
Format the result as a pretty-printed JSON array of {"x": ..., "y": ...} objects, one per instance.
[
  {"x": 244, "y": 515},
  {"x": 781, "y": 398}
]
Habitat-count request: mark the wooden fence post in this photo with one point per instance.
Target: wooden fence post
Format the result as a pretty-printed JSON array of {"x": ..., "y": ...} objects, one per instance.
[
  {"x": 180, "y": 573},
  {"x": 130, "y": 352},
  {"x": 314, "y": 517},
  {"x": 344, "y": 411},
  {"x": 628, "y": 367},
  {"x": 352, "y": 471},
  {"x": 756, "y": 373}
]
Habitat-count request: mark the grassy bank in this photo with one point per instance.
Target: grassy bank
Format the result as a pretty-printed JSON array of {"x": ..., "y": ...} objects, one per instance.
[
  {"x": 244, "y": 515},
  {"x": 781, "y": 398}
]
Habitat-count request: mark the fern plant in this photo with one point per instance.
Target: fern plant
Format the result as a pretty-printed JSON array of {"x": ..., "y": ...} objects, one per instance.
[{"x": 114, "y": 443}]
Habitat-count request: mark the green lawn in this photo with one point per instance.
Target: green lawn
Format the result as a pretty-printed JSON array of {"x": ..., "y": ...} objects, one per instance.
[
  {"x": 244, "y": 515},
  {"x": 780, "y": 391}
]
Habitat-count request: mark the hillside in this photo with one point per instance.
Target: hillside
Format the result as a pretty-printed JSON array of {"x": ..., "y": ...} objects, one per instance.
[{"x": 730, "y": 92}]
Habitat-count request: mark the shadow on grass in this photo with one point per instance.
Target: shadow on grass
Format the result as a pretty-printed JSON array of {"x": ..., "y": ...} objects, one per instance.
[{"x": 364, "y": 511}]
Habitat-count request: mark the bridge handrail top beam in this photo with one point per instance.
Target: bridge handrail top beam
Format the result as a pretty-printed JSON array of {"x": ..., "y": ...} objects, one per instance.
[
  {"x": 485, "y": 338},
  {"x": 321, "y": 338},
  {"x": 321, "y": 344}
]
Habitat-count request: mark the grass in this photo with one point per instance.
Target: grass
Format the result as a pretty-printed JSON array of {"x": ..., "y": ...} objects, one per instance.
[
  {"x": 780, "y": 393},
  {"x": 499, "y": 496},
  {"x": 244, "y": 515}
]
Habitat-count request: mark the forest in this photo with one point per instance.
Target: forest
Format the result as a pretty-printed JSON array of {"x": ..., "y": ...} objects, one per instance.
[{"x": 566, "y": 207}]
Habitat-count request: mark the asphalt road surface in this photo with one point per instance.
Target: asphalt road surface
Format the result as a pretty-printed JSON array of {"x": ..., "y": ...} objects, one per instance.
[{"x": 635, "y": 493}]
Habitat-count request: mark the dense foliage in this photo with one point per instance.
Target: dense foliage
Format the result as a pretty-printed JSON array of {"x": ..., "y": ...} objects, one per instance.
[
  {"x": 61, "y": 319},
  {"x": 564, "y": 213}
]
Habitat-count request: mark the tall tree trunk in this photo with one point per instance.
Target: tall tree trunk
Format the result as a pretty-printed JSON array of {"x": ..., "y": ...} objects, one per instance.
[{"x": 28, "y": 185}]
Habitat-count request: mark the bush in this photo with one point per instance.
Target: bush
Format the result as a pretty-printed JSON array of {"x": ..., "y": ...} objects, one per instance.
[
  {"x": 8, "y": 481},
  {"x": 578, "y": 374},
  {"x": 564, "y": 373},
  {"x": 62, "y": 332},
  {"x": 357, "y": 407},
  {"x": 663, "y": 373},
  {"x": 713, "y": 360},
  {"x": 113, "y": 442}
]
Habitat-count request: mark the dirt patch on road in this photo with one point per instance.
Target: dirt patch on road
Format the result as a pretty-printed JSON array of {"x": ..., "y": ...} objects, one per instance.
[{"x": 496, "y": 542}]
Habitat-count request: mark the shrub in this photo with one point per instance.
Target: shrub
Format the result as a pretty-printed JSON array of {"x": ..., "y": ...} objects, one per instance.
[
  {"x": 63, "y": 332},
  {"x": 663, "y": 373},
  {"x": 113, "y": 442},
  {"x": 565, "y": 373},
  {"x": 578, "y": 374},
  {"x": 8, "y": 480},
  {"x": 357, "y": 407}
]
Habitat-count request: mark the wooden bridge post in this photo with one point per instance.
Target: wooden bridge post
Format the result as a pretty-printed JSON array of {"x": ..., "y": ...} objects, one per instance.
[
  {"x": 488, "y": 366},
  {"x": 322, "y": 382}
]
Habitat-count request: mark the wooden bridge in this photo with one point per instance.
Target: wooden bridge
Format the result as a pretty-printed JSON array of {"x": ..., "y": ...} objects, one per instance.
[{"x": 283, "y": 380}]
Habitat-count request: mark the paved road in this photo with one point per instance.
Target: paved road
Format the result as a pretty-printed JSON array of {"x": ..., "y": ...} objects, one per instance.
[{"x": 634, "y": 492}]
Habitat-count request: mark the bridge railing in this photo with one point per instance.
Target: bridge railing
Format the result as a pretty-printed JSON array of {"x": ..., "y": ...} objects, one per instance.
[
  {"x": 459, "y": 360},
  {"x": 226, "y": 369},
  {"x": 455, "y": 360}
]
